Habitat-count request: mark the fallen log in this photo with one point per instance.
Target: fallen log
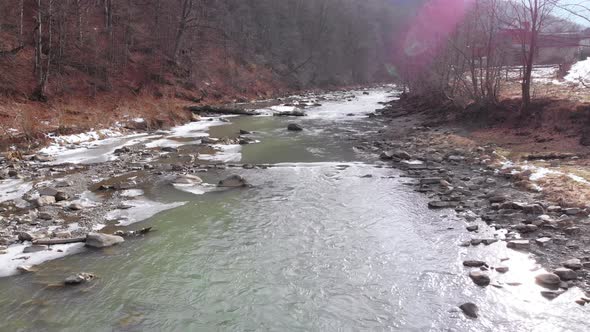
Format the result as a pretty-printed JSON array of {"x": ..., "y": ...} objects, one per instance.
[
  {"x": 220, "y": 110},
  {"x": 50, "y": 242}
]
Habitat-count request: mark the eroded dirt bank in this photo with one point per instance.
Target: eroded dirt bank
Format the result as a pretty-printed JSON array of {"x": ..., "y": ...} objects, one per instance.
[{"x": 520, "y": 198}]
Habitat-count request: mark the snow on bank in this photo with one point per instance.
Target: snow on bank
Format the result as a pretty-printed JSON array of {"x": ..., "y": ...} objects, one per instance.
[
  {"x": 580, "y": 73},
  {"x": 141, "y": 209},
  {"x": 14, "y": 256},
  {"x": 538, "y": 172},
  {"x": 224, "y": 153},
  {"x": 13, "y": 189}
]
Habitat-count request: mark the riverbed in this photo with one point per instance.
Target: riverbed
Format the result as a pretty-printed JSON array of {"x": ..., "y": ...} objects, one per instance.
[{"x": 328, "y": 238}]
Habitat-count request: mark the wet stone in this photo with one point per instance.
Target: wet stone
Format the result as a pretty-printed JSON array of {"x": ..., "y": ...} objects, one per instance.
[
  {"x": 34, "y": 248},
  {"x": 518, "y": 244},
  {"x": 469, "y": 309},
  {"x": 473, "y": 263},
  {"x": 566, "y": 274},
  {"x": 574, "y": 264},
  {"x": 548, "y": 279},
  {"x": 79, "y": 278},
  {"x": 502, "y": 269},
  {"x": 480, "y": 278}
]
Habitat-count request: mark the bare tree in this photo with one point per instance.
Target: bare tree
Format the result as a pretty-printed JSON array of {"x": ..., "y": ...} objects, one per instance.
[{"x": 531, "y": 17}]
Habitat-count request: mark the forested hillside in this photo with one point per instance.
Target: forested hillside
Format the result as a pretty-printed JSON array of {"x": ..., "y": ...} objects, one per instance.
[{"x": 192, "y": 49}]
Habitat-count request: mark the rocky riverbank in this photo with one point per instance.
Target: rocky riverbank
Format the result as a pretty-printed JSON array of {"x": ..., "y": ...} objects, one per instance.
[
  {"x": 79, "y": 193},
  {"x": 491, "y": 194}
]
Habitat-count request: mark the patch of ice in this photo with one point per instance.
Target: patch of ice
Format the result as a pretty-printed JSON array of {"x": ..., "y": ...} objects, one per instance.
[
  {"x": 196, "y": 189},
  {"x": 578, "y": 178},
  {"x": 225, "y": 153},
  {"x": 132, "y": 193},
  {"x": 10, "y": 261},
  {"x": 141, "y": 209},
  {"x": 13, "y": 189},
  {"x": 138, "y": 120}
]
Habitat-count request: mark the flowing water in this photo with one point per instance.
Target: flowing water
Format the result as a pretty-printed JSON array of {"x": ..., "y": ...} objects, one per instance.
[{"x": 326, "y": 240}]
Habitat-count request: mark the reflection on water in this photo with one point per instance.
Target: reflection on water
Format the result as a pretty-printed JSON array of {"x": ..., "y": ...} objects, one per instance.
[{"x": 322, "y": 242}]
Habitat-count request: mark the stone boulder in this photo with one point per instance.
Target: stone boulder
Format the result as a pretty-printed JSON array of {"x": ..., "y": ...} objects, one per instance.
[
  {"x": 294, "y": 127},
  {"x": 548, "y": 279},
  {"x": 101, "y": 240},
  {"x": 233, "y": 181},
  {"x": 44, "y": 201},
  {"x": 79, "y": 278},
  {"x": 566, "y": 274},
  {"x": 574, "y": 264},
  {"x": 469, "y": 309},
  {"x": 480, "y": 278}
]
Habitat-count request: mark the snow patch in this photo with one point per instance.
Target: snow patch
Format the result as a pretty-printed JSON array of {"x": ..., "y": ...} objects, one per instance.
[
  {"x": 580, "y": 73},
  {"x": 14, "y": 256},
  {"x": 141, "y": 209}
]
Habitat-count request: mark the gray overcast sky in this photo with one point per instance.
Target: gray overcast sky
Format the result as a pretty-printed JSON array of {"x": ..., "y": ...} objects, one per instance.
[{"x": 576, "y": 19}]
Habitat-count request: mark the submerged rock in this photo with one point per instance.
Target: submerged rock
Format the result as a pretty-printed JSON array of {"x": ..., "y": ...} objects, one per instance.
[
  {"x": 233, "y": 181},
  {"x": 101, "y": 240},
  {"x": 473, "y": 263},
  {"x": 79, "y": 278},
  {"x": 480, "y": 278},
  {"x": 502, "y": 269},
  {"x": 294, "y": 127},
  {"x": 469, "y": 309}
]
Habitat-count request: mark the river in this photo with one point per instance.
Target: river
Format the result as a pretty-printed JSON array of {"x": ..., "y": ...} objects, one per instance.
[{"x": 327, "y": 239}]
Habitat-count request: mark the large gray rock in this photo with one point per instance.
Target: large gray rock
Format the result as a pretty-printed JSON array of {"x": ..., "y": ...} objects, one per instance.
[
  {"x": 566, "y": 274},
  {"x": 518, "y": 244},
  {"x": 44, "y": 201},
  {"x": 233, "y": 181},
  {"x": 101, "y": 240},
  {"x": 480, "y": 278},
  {"x": 79, "y": 278},
  {"x": 548, "y": 279},
  {"x": 47, "y": 191},
  {"x": 469, "y": 309},
  {"x": 294, "y": 127},
  {"x": 473, "y": 263},
  {"x": 574, "y": 264}
]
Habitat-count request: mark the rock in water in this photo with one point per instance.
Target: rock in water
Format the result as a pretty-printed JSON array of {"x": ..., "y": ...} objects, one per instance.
[
  {"x": 233, "y": 181},
  {"x": 548, "y": 279},
  {"x": 473, "y": 263},
  {"x": 101, "y": 240},
  {"x": 79, "y": 278},
  {"x": 502, "y": 269},
  {"x": 294, "y": 127},
  {"x": 469, "y": 309},
  {"x": 480, "y": 278}
]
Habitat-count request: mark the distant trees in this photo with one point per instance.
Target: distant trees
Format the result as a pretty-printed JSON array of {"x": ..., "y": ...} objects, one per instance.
[
  {"x": 532, "y": 17},
  {"x": 465, "y": 63},
  {"x": 141, "y": 41}
]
